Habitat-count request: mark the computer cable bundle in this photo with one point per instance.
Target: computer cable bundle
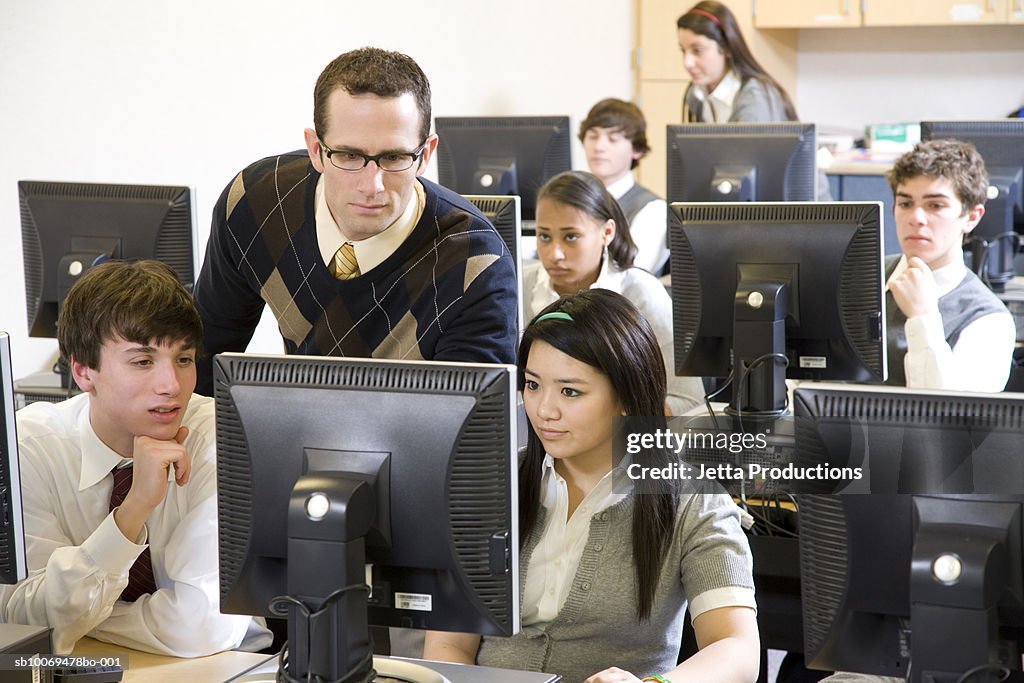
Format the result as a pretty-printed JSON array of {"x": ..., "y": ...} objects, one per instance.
[{"x": 279, "y": 607}]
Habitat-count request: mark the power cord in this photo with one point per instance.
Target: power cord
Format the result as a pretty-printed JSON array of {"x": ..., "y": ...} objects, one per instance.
[
  {"x": 1001, "y": 671},
  {"x": 279, "y": 607}
]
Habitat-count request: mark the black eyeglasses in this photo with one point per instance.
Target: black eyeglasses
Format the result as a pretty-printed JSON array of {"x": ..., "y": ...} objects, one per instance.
[{"x": 392, "y": 162}]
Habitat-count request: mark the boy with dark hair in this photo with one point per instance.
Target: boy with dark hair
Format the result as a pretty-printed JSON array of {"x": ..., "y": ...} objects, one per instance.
[
  {"x": 120, "y": 481},
  {"x": 946, "y": 329},
  {"x": 614, "y": 136}
]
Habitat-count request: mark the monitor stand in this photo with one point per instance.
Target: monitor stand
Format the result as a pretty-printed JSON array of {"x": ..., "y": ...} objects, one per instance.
[{"x": 761, "y": 305}]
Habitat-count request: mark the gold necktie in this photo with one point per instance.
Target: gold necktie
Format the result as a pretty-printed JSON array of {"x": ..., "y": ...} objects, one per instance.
[{"x": 345, "y": 265}]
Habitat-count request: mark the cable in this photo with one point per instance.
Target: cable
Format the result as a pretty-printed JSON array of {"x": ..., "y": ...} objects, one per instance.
[
  {"x": 708, "y": 398},
  {"x": 279, "y": 607},
  {"x": 982, "y": 270},
  {"x": 998, "y": 669},
  {"x": 744, "y": 373},
  {"x": 765, "y": 506}
]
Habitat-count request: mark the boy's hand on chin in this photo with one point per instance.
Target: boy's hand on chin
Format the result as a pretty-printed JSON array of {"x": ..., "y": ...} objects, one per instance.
[
  {"x": 151, "y": 458},
  {"x": 914, "y": 290}
]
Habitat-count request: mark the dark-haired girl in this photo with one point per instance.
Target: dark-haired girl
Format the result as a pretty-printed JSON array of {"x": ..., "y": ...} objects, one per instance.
[
  {"x": 728, "y": 84},
  {"x": 584, "y": 242},
  {"x": 610, "y": 562}
]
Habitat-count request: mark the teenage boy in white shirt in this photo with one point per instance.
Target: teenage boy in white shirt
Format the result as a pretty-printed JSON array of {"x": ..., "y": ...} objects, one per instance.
[
  {"x": 946, "y": 329},
  {"x": 133, "y": 563},
  {"x": 614, "y": 137}
]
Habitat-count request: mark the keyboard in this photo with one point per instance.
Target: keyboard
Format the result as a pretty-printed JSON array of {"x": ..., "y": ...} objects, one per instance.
[{"x": 88, "y": 674}]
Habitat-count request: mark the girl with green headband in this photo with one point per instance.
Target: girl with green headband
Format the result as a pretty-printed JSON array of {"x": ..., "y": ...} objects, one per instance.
[{"x": 609, "y": 564}]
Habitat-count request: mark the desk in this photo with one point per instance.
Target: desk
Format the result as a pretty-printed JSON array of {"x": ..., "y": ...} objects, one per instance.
[
  {"x": 455, "y": 673},
  {"x": 233, "y": 665},
  {"x": 144, "y": 667}
]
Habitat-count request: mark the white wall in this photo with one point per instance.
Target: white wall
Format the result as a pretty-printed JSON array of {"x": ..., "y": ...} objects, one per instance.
[
  {"x": 189, "y": 91},
  {"x": 856, "y": 77}
]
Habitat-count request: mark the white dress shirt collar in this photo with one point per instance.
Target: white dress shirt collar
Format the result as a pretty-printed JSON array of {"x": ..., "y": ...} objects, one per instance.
[
  {"x": 610, "y": 277},
  {"x": 720, "y": 99},
  {"x": 98, "y": 459},
  {"x": 557, "y": 555},
  {"x": 374, "y": 250},
  {"x": 622, "y": 185}
]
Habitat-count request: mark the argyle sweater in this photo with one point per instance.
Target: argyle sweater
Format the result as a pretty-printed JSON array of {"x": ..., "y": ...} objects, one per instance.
[{"x": 447, "y": 293}]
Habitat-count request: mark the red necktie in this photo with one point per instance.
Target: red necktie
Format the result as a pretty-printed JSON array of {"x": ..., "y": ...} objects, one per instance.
[{"x": 140, "y": 578}]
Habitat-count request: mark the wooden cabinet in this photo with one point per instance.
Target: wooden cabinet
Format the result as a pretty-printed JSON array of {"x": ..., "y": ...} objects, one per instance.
[
  {"x": 662, "y": 104},
  {"x": 852, "y": 13},
  {"x": 934, "y": 12},
  {"x": 658, "y": 56},
  {"x": 806, "y": 13},
  {"x": 1016, "y": 11}
]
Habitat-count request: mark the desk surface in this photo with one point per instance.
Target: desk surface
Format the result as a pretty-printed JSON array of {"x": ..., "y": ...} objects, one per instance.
[
  {"x": 144, "y": 667},
  {"x": 454, "y": 673}
]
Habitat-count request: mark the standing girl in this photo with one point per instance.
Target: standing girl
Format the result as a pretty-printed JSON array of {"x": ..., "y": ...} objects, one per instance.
[{"x": 727, "y": 84}]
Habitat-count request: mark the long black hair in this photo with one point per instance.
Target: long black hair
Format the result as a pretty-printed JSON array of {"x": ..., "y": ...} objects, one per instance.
[
  {"x": 608, "y": 333},
  {"x": 586, "y": 192},
  {"x": 714, "y": 21}
]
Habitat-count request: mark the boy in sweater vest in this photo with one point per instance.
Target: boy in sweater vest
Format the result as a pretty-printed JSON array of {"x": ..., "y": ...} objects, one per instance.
[
  {"x": 946, "y": 330},
  {"x": 614, "y": 136}
]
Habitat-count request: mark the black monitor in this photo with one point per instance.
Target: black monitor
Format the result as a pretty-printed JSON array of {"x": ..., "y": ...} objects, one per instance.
[
  {"x": 502, "y": 155},
  {"x": 505, "y": 216},
  {"x": 68, "y": 227},
  {"x": 329, "y": 465},
  {"x": 996, "y": 239},
  {"x": 762, "y": 291},
  {"x": 930, "y": 585},
  {"x": 741, "y": 162},
  {"x": 911, "y": 441},
  {"x": 13, "y": 567}
]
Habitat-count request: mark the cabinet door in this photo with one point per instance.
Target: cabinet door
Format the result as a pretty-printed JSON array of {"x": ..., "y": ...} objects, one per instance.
[
  {"x": 658, "y": 41},
  {"x": 934, "y": 12},
  {"x": 661, "y": 102},
  {"x": 1016, "y": 11},
  {"x": 806, "y": 13}
]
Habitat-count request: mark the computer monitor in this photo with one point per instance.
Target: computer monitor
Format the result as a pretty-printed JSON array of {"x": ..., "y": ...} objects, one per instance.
[
  {"x": 997, "y": 238},
  {"x": 910, "y": 441},
  {"x": 502, "y": 155},
  {"x": 329, "y": 465},
  {"x": 762, "y": 291},
  {"x": 505, "y": 216},
  {"x": 13, "y": 566},
  {"x": 929, "y": 585},
  {"x": 68, "y": 227},
  {"x": 926, "y": 587},
  {"x": 741, "y": 162}
]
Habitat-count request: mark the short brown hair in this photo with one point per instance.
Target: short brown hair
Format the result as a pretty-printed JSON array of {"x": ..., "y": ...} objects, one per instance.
[
  {"x": 370, "y": 70},
  {"x": 955, "y": 160},
  {"x": 619, "y": 115},
  {"x": 138, "y": 301}
]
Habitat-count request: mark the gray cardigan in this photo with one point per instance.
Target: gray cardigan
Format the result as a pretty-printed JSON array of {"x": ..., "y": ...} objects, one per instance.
[
  {"x": 597, "y": 626},
  {"x": 755, "y": 102}
]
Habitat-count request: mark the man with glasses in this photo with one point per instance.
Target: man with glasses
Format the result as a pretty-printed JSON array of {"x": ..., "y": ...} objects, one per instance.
[{"x": 353, "y": 251}]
